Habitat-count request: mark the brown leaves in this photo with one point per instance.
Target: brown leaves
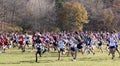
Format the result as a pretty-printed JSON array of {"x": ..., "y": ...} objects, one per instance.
[{"x": 74, "y": 15}]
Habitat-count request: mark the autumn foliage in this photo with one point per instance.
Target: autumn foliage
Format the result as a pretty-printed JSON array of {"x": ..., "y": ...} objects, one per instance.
[{"x": 72, "y": 16}]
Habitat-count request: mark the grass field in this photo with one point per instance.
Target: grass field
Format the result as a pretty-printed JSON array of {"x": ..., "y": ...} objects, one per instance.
[{"x": 15, "y": 57}]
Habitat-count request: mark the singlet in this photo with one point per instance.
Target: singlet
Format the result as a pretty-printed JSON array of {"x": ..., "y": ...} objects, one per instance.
[
  {"x": 61, "y": 44},
  {"x": 112, "y": 41},
  {"x": 71, "y": 42},
  {"x": 27, "y": 38}
]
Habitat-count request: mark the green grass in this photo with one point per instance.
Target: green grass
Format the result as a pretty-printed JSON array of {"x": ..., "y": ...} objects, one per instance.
[{"x": 15, "y": 57}]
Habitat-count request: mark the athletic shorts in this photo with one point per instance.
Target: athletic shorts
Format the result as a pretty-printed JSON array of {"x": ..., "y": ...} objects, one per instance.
[
  {"x": 73, "y": 48},
  {"x": 107, "y": 44},
  {"x": 111, "y": 47},
  {"x": 62, "y": 49},
  {"x": 99, "y": 44},
  {"x": 27, "y": 42},
  {"x": 79, "y": 46},
  {"x": 47, "y": 41}
]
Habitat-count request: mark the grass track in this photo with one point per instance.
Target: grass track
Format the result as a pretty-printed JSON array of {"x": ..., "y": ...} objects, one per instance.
[{"x": 15, "y": 57}]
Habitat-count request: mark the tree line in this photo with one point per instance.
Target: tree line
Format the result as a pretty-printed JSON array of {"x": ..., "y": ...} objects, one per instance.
[{"x": 59, "y": 15}]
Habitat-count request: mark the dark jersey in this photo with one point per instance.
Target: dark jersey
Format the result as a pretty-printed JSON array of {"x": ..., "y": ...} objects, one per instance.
[
  {"x": 38, "y": 40},
  {"x": 38, "y": 47}
]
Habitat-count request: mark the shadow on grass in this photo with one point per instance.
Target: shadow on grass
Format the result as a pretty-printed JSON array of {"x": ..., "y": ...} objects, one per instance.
[
  {"x": 39, "y": 61},
  {"x": 30, "y": 61},
  {"x": 55, "y": 56},
  {"x": 92, "y": 59},
  {"x": 21, "y": 62},
  {"x": 10, "y": 63},
  {"x": 52, "y": 61}
]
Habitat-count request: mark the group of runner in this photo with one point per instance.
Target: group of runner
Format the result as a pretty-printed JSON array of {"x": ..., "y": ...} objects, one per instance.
[{"x": 63, "y": 42}]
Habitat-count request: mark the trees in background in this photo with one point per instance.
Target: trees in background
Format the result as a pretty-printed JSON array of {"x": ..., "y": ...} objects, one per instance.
[
  {"x": 116, "y": 11},
  {"x": 42, "y": 15},
  {"x": 72, "y": 16},
  {"x": 102, "y": 14},
  {"x": 59, "y": 15},
  {"x": 12, "y": 13}
]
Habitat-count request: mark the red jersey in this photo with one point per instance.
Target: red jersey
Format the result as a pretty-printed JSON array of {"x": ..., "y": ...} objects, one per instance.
[
  {"x": 34, "y": 38},
  {"x": 21, "y": 40},
  {"x": 5, "y": 40},
  {"x": 1, "y": 41}
]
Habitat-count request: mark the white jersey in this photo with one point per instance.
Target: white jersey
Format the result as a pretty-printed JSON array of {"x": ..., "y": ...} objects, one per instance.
[
  {"x": 93, "y": 40},
  {"x": 115, "y": 37},
  {"x": 61, "y": 44},
  {"x": 112, "y": 41},
  {"x": 27, "y": 38},
  {"x": 71, "y": 42}
]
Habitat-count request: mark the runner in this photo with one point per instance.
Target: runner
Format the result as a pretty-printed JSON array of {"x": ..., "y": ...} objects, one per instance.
[
  {"x": 6, "y": 43},
  {"x": 88, "y": 45},
  {"x": 73, "y": 47},
  {"x": 27, "y": 40},
  {"x": 21, "y": 42},
  {"x": 39, "y": 46},
  {"x": 61, "y": 45},
  {"x": 34, "y": 41},
  {"x": 1, "y": 43},
  {"x": 115, "y": 35},
  {"x": 112, "y": 46}
]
